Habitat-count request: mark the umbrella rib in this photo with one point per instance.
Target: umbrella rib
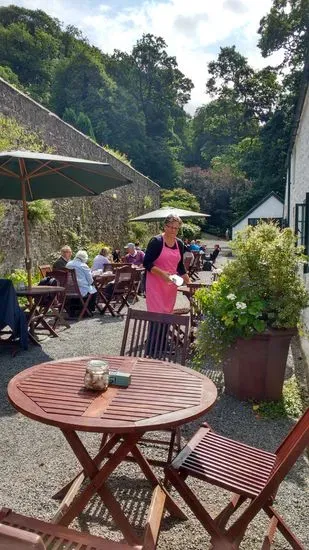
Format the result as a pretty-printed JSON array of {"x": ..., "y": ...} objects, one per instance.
[
  {"x": 26, "y": 175},
  {"x": 35, "y": 174},
  {"x": 8, "y": 172}
]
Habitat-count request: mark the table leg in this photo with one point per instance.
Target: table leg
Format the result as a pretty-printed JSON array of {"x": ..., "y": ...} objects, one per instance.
[
  {"x": 97, "y": 485},
  {"x": 170, "y": 503}
]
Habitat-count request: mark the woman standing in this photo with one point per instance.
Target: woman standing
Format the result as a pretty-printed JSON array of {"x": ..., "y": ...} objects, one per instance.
[{"x": 164, "y": 257}]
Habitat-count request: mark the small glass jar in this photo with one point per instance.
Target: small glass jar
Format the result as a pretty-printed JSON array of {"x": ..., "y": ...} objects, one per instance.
[{"x": 96, "y": 375}]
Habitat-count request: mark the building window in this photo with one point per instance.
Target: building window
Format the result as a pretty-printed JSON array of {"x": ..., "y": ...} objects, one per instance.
[
  {"x": 300, "y": 225},
  {"x": 255, "y": 221}
]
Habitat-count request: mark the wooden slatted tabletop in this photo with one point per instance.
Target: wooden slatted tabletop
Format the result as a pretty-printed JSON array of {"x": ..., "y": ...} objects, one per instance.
[{"x": 161, "y": 395}]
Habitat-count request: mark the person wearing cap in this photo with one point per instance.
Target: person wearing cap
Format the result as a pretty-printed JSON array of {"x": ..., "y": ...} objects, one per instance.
[
  {"x": 83, "y": 276},
  {"x": 133, "y": 256},
  {"x": 65, "y": 256}
]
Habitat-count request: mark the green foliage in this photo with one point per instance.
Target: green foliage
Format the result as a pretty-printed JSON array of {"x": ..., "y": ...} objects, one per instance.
[
  {"x": 139, "y": 231},
  {"x": 180, "y": 198},
  {"x": 118, "y": 155},
  {"x": 260, "y": 289},
  {"x": 20, "y": 276},
  {"x": 2, "y": 210},
  {"x": 70, "y": 116},
  {"x": 7, "y": 74},
  {"x": 148, "y": 202},
  {"x": 289, "y": 405},
  {"x": 190, "y": 231},
  {"x": 93, "y": 249},
  {"x": 83, "y": 123},
  {"x": 13, "y": 136},
  {"x": 40, "y": 211}
]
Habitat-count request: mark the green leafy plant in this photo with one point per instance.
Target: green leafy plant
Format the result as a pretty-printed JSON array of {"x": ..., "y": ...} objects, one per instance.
[
  {"x": 20, "y": 276},
  {"x": 290, "y": 404},
  {"x": 40, "y": 211},
  {"x": 190, "y": 231},
  {"x": 148, "y": 202},
  {"x": 259, "y": 290},
  {"x": 2, "y": 210},
  {"x": 139, "y": 231}
]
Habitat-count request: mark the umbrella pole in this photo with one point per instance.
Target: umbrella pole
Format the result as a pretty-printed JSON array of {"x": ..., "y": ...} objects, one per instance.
[{"x": 26, "y": 225}]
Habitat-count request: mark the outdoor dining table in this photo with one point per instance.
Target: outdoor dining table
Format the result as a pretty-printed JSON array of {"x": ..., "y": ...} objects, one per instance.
[
  {"x": 161, "y": 396},
  {"x": 40, "y": 299}
]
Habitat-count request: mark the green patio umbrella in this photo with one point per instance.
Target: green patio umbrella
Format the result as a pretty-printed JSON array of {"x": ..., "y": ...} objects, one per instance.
[{"x": 29, "y": 176}]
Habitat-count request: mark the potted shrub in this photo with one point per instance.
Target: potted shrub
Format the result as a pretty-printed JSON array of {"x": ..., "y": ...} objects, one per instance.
[{"x": 251, "y": 313}]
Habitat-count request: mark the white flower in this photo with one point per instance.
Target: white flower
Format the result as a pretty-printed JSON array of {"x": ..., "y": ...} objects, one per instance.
[
  {"x": 231, "y": 297},
  {"x": 241, "y": 305}
]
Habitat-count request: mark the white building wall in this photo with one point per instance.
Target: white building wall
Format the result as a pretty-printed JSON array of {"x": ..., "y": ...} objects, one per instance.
[
  {"x": 300, "y": 163},
  {"x": 271, "y": 208}
]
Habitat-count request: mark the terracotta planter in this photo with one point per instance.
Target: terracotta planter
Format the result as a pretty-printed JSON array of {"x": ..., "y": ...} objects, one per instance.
[{"x": 255, "y": 368}]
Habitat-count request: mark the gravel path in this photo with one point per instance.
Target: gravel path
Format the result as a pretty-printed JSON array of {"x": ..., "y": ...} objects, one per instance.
[{"x": 36, "y": 460}]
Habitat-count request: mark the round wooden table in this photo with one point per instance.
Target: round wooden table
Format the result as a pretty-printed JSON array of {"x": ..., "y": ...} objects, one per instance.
[
  {"x": 40, "y": 300},
  {"x": 161, "y": 395}
]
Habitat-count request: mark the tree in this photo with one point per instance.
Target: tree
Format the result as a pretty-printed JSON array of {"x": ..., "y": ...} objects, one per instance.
[
  {"x": 81, "y": 83},
  {"x": 232, "y": 78},
  {"x": 180, "y": 198},
  {"x": 83, "y": 123},
  {"x": 286, "y": 27}
]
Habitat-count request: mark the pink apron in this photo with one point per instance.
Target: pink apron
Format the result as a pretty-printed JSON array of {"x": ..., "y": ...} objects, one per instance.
[{"x": 161, "y": 295}]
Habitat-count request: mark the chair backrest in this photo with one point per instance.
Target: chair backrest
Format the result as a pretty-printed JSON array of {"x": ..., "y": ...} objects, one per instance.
[
  {"x": 44, "y": 269},
  {"x": 292, "y": 446},
  {"x": 187, "y": 262},
  {"x": 67, "y": 279},
  {"x": 124, "y": 279},
  {"x": 156, "y": 335},
  {"x": 61, "y": 276}
]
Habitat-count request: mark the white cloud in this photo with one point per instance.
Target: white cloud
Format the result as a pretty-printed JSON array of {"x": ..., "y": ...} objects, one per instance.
[{"x": 193, "y": 30}]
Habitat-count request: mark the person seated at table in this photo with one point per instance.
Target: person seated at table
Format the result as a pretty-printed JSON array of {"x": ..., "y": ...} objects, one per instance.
[
  {"x": 84, "y": 277},
  {"x": 215, "y": 253},
  {"x": 202, "y": 247},
  {"x": 133, "y": 256},
  {"x": 137, "y": 246},
  {"x": 116, "y": 255},
  {"x": 101, "y": 259},
  {"x": 65, "y": 256},
  {"x": 194, "y": 247}
]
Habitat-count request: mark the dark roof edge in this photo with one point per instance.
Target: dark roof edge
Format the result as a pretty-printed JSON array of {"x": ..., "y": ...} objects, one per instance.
[
  {"x": 300, "y": 103},
  {"x": 50, "y": 113},
  {"x": 271, "y": 194}
]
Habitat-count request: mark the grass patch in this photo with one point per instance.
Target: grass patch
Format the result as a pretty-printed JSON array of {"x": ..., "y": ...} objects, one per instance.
[{"x": 290, "y": 404}]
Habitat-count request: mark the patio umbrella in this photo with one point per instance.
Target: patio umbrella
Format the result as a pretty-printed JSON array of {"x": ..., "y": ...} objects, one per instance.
[
  {"x": 162, "y": 213},
  {"x": 29, "y": 176}
]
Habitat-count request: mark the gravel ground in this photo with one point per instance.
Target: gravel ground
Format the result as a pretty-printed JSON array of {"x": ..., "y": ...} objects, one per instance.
[{"x": 36, "y": 460}]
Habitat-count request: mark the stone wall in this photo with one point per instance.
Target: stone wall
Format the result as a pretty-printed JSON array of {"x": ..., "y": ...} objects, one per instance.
[{"x": 104, "y": 218}]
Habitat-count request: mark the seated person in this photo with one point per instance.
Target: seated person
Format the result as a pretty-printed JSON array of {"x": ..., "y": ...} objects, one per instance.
[
  {"x": 101, "y": 260},
  {"x": 116, "y": 255},
  {"x": 65, "y": 257},
  {"x": 202, "y": 247},
  {"x": 214, "y": 254},
  {"x": 84, "y": 277},
  {"x": 194, "y": 247},
  {"x": 137, "y": 246},
  {"x": 133, "y": 256}
]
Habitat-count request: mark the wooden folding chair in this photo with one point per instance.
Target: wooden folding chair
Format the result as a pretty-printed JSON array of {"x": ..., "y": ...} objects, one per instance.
[
  {"x": 67, "y": 279},
  {"x": 249, "y": 472},
  {"x": 57, "y": 306},
  {"x": 18, "y": 532},
  {"x": 195, "y": 268},
  {"x": 44, "y": 269},
  {"x": 159, "y": 336},
  {"x": 122, "y": 288}
]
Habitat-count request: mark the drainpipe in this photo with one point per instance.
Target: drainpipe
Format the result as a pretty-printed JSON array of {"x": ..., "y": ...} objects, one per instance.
[{"x": 289, "y": 187}]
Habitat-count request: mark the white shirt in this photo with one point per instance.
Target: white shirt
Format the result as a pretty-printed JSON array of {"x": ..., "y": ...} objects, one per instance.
[
  {"x": 83, "y": 276},
  {"x": 99, "y": 262}
]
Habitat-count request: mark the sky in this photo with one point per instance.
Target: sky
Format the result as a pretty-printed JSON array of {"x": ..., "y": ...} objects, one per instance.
[{"x": 194, "y": 30}]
